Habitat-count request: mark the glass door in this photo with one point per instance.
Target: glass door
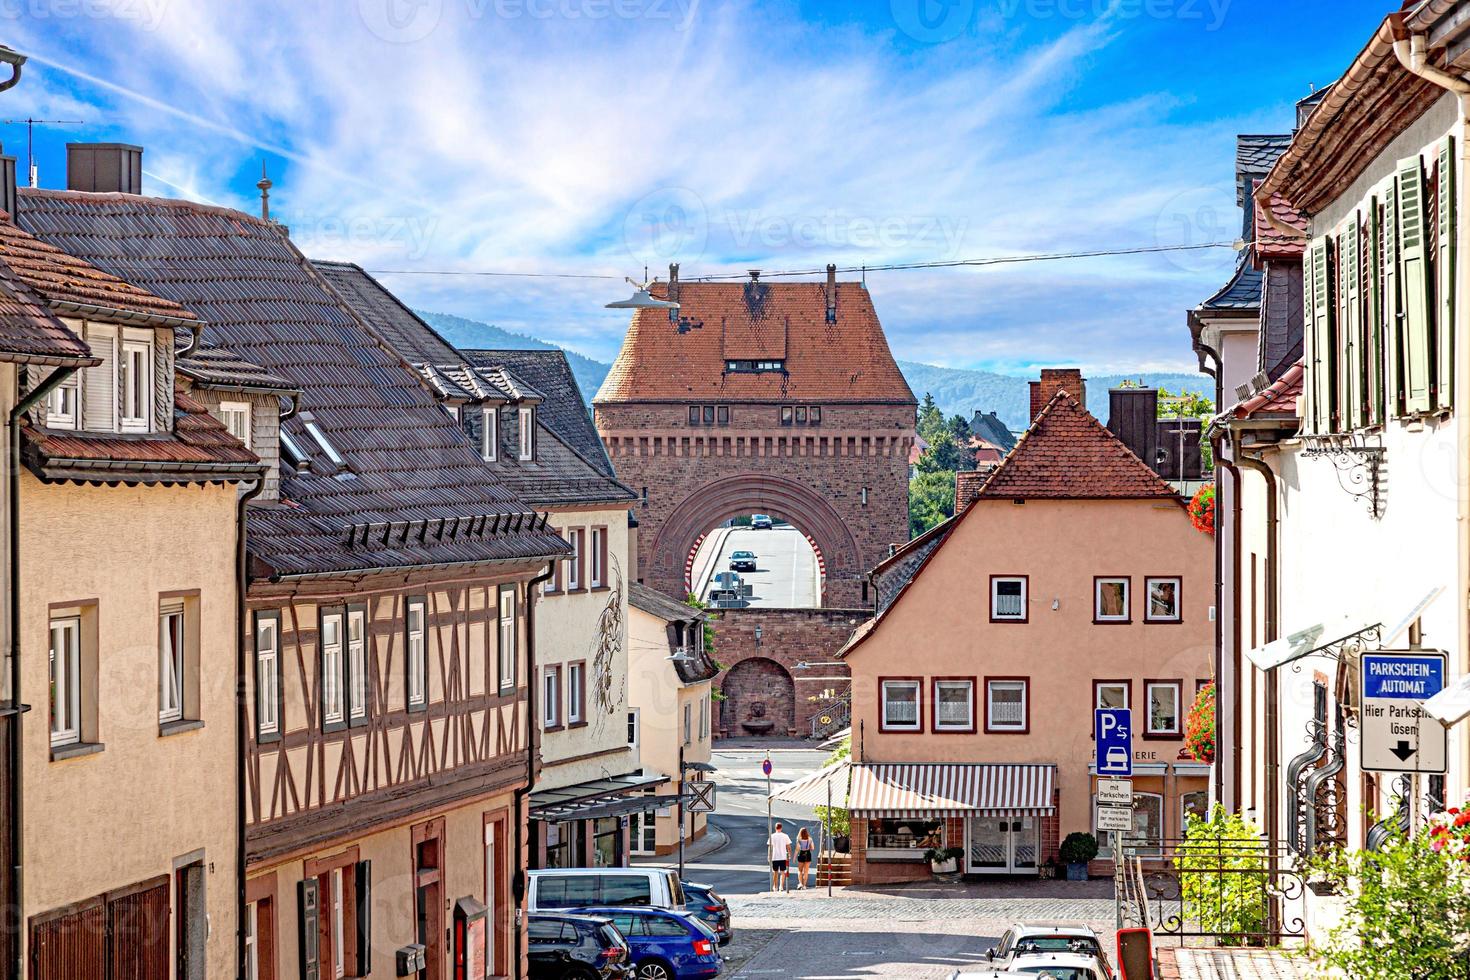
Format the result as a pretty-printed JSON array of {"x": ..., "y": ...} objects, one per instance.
[
  {"x": 1023, "y": 844},
  {"x": 989, "y": 845},
  {"x": 643, "y": 832}
]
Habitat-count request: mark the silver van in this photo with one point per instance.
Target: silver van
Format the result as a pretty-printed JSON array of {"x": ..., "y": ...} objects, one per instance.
[{"x": 571, "y": 888}]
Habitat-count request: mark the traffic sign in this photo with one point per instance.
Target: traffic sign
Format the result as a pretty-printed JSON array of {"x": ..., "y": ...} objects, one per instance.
[
  {"x": 701, "y": 797},
  {"x": 1118, "y": 818},
  {"x": 1397, "y": 734},
  {"x": 1113, "y": 728},
  {"x": 766, "y": 767},
  {"x": 1115, "y": 792}
]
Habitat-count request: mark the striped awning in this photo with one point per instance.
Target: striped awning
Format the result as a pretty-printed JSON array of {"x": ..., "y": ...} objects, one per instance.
[
  {"x": 826, "y": 785},
  {"x": 927, "y": 789}
]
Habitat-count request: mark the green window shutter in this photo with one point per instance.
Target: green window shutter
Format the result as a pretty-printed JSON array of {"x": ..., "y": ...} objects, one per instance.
[
  {"x": 1444, "y": 348},
  {"x": 1309, "y": 347},
  {"x": 1351, "y": 322},
  {"x": 1414, "y": 284},
  {"x": 1322, "y": 346},
  {"x": 1374, "y": 287},
  {"x": 1393, "y": 360}
]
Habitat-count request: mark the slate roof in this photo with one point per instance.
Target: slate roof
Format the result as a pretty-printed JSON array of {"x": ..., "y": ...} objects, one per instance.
[
  {"x": 215, "y": 367},
  {"x": 846, "y": 361},
  {"x": 1254, "y": 156},
  {"x": 988, "y": 426},
  {"x": 413, "y": 492},
  {"x": 1069, "y": 454},
  {"x": 562, "y": 409},
  {"x": 1242, "y": 292}
]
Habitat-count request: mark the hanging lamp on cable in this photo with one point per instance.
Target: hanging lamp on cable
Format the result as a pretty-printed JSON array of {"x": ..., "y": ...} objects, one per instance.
[{"x": 642, "y": 299}]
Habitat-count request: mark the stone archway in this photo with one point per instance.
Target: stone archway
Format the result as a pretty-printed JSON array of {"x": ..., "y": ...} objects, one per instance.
[
  {"x": 760, "y": 699},
  {"x": 720, "y": 500}
]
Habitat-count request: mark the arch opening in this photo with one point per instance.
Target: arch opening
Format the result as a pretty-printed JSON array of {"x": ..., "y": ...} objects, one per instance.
[
  {"x": 747, "y": 562},
  {"x": 760, "y": 699}
]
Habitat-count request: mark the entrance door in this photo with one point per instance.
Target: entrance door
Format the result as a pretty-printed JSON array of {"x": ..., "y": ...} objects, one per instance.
[
  {"x": 428, "y": 843},
  {"x": 643, "y": 832},
  {"x": 1003, "y": 845}
]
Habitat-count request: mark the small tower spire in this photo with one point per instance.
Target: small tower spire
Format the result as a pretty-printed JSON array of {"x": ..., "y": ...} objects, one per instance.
[{"x": 265, "y": 186}]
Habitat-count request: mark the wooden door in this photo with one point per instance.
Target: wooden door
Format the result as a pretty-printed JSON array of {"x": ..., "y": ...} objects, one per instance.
[
  {"x": 428, "y": 857},
  {"x": 70, "y": 945},
  {"x": 138, "y": 933}
]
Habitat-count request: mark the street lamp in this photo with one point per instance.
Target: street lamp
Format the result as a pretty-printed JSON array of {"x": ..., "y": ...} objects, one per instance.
[
  {"x": 642, "y": 299},
  {"x": 14, "y": 59}
]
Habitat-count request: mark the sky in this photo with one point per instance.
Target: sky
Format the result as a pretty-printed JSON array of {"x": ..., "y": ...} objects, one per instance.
[{"x": 601, "y": 137}]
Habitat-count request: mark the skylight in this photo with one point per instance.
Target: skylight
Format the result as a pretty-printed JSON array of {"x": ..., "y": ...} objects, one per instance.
[{"x": 321, "y": 440}]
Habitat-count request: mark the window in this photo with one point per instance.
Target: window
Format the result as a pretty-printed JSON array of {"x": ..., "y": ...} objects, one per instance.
[
  {"x": 508, "y": 638},
  {"x": 489, "y": 434},
  {"x": 320, "y": 438},
  {"x": 1148, "y": 826},
  {"x": 746, "y": 365},
  {"x": 1110, "y": 694},
  {"x": 453, "y": 411},
  {"x": 171, "y": 656},
  {"x": 1193, "y": 804},
  {"x": 333, "y": 706},
  {"x": 724, "y": 414},
  {"x": 576, "y": 693},
  {"x": 574, "y": 563},
  {"x": 688, "y": 725},
  {"x": 816, "y": 414},
  {"x": 527, "y": 433},
  {"x": 954, "y": 705},
  {"x": 1163, "y": 600},
  {"x": 905, "y": 834},
  {"x": 553, "y": 581},
  {"x": 1006, "y": 708},
  {"x": 801, "y": 415},
  {"x": 252, "y": 941},
  {"x": 1111, "y": 600},
  {"x": 416, "y": 661},
  {"x": 1163, "y": 707},
  {"x": 1008, "y": 598},
  {"x": 551, "y": 698},
  {"x": 267, "y": 676},
  {"x": 704, "y": 717},
  {"x": 693, "y": 414},
  {"x": 900, "y": 705},
  {"x": 786, "y": 414},
  {"x": 61, "y": 403},
  {"x": 236, "y": 417},
  {"x": 598, "y": 558},
  {"x": 66, "y": 680},
  {"x": 709, "y": 414},
  {"x": 633, "y": 729},
  {"x": 136, "y": 381},
  {"x": 357, "y": 665}
]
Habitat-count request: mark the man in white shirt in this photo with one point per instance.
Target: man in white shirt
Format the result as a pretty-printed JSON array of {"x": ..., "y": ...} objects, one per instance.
[{"x": 780, "y": 848}]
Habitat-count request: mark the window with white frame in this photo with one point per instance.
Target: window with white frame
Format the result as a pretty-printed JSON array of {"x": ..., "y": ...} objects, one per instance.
[
  {"x": 1193, "y": 804},
  {"x": 527, "y": 433},
  {"x": 490, "y": 434},
  {"x": 1005, "y": 706},
  {"x": 597, "y": 556},
  {"x": 135, "y": 381},
  {"x": 1163, "y": 600},
  {"x": 417, "y": 662},
  {"x": 508, "y": 639},
  {"x": 954, "y": 706},
  {"x": 236, "y": 417},
  {"x": 1111, "y": 600},
  {"x": 574, "y": 563},
  {"x": 1110, "y": 694},
  {"x": 66, "y": 680},
  {"x": 633, "y": 729},
  {"x": 333, "y": 704},
  {"x": 62, "y": 404},
  {"x": 171, "y": 657},
  {"x": 704, "y": 717},
  {"x": 551, "y": 698},
  {"x": 252, "y": 942},
  {"x": 688, "y": 723},
  {"x": 1008, "y": 598},
  {"x": 1163, "y": 707},
  {"x": 900, "y": 706},
  {"x": 553, "y": 580},
  {"x": 336, "y": 909},
  {"x": 576, "y": 693},
  {"x": 357, "y": 664},
  {"x": 267, "y": 676}
]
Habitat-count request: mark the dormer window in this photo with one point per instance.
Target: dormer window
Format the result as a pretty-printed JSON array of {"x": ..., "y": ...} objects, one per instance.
[
  {"x": 490, "y": 434},
  {"x": 744, "y": 366},
  {"x": 135, "y": 381},
  {"x": 236, "y": 417},
  {"x": 62, "y": 402},
  {"x": 527, "y": 425}
]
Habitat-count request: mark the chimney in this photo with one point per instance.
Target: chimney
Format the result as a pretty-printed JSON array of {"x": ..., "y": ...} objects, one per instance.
[
  {"x": 673, "y": 282},
  {"x": 1133, "y": 417},
  {"x": 1054, "y": 380},
  {"x": 831, "y": 293},
  {"x": 967, "y": 487},
  {"x": 104, "y": 168},
  {"x": 7, "y": 185}
]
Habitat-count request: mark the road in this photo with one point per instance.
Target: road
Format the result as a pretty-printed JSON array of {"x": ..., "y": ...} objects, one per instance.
[{"x": 786, "y": 567}]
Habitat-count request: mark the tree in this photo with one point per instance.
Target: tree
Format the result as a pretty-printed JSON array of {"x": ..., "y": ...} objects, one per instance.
[
  {"x": 931, "y": 420},
  {"x": 944, "y": 455},
  {"x": 931, "y": 500}
]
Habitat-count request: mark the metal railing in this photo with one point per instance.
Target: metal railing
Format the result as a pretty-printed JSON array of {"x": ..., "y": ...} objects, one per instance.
[{"x": 832, "y": 715}]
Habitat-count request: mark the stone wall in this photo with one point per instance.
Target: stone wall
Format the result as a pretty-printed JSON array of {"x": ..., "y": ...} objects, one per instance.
[{"x": 788, "y": 637}]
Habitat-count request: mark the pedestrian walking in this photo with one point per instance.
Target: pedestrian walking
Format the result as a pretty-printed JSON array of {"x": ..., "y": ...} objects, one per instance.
[
  {"x": 779, "y": 847},
  {"x": 803, "y": 857}
]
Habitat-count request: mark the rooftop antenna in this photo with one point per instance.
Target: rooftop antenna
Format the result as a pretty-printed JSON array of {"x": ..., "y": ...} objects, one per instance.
[
  {"x": 31, "y": 125},
  {"x": 265, "y": 185}
]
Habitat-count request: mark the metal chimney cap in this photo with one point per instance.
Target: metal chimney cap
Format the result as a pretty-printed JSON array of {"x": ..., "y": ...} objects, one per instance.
[{"x": 642, "y": 300}]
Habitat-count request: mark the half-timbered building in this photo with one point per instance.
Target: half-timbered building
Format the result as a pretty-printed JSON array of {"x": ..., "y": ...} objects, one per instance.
[{"x": 388, "y": 743}]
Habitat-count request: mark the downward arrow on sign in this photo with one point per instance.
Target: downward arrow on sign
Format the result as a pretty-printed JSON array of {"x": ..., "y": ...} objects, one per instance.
[{"x": 1403, "y": 750}]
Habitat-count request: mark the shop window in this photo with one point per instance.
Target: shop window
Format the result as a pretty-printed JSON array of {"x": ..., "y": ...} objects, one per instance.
[
  {"x": 607, "y": 844},
  {"x": 1008, "y": 598},
  {"x": 1148, "y": 828},
  {"x": 1195, "y": 804},
  {"x": 1111, "y": 600},
  {"x": 1163, "y": 600},
  {"x": 1164, "y": 708},
  {"x": 900, "y": 705},
  {"x": 905, "y": 835},
  {"x": 1006, "y": 707},
  {"x": 954, "y": 705}
]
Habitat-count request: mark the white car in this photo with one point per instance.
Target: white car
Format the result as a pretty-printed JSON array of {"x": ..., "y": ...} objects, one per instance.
[
  {"x": 1059, "y": 966},
  {"x": 570, "y": 888},
  {"x": 1024, "y": 940}
]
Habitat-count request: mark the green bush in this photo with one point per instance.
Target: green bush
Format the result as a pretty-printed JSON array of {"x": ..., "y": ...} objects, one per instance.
[
  {"x": 1078, "y": 848},
  {"x": 1215, "y": 865}
]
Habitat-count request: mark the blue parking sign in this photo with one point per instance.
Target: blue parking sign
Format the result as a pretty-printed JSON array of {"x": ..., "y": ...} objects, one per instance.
[{"x": 1113, "y": 728}]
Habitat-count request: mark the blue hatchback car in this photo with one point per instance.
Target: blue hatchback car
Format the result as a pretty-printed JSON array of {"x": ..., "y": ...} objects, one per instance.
[{"x": 664, "y": 945}]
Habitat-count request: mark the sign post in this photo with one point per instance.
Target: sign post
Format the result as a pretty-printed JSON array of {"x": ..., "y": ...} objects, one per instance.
[{"x": 1397, "y": 734}]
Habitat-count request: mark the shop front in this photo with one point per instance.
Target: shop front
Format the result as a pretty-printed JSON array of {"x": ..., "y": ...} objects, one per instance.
[{"x": 589, "y": 825}]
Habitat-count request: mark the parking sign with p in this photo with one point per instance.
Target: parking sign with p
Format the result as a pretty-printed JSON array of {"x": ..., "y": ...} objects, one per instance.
[{"x": 1113, "y": 729}]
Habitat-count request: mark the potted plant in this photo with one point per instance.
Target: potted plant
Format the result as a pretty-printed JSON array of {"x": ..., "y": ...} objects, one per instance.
[
  {"x": 944, "y": 862},
  {"x": 1078, "y": 849}
]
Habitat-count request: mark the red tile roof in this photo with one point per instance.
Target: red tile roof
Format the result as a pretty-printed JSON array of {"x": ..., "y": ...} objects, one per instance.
[
  {"x": 1277, "y": 399},
  {"x": 64, "y": 280},
  {"x": 1270, "y": 243},
  {"x": 1069, "y": 454},
  {"x": 846, "y": 361},
  {"x": 29, "y": 331}
]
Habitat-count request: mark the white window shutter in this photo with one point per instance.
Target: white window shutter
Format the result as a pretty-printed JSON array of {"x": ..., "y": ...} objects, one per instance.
[{"x": 99, "y": 382}]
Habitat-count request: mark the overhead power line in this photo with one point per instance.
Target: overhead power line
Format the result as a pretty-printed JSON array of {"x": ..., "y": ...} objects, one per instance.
[{"x": 889, "y": 267}]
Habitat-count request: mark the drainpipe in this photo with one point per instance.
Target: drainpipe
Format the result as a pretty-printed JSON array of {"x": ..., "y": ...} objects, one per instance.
[
  {"x": 1237, "y": 664},
  {"x": 242, "y": 716},
  {"x": 532, "y": 750},
  {"x": 1412, "y": 54},
  {"x": 1273, "y": 694},
  {"x": 17, "y": 709},
  {"x": 196, "y": 336}
]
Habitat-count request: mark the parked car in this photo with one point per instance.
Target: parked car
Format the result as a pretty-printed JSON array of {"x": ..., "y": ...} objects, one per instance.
[
  {"x": 577, "y": 947},
  {"x": 742, "y": 561},
  {"x": 760, "y": 522},
  {"x": 1026, "y": 939},
  {"x": 1058, "y": 966},
  {"x": 706, "y": 905},
  {"x": 665, "y": 945},
  {"x": 566, "y": 888}
]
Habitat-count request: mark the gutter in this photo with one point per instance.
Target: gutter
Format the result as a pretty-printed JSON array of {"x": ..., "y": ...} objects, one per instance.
[
  {"x": 111, "y": 314},
  {"x": 532, "y": 750},
  {"x": 242, "y": 717},
  {"x": 17, "y": 709}
]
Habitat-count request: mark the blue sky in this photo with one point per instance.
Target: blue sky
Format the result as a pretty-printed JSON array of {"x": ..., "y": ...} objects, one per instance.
[{"x": 597, "y": 136}]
